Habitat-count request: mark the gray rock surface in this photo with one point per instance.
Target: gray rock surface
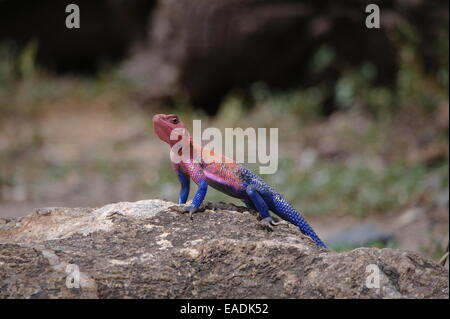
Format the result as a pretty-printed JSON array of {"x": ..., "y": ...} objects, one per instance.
[
  {"x": 359, "y": 235},
  {"x": 147, "y": 249}
]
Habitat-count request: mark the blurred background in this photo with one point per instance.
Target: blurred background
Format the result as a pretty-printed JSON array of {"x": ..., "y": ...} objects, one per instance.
[{"x": 362, "y": 113}]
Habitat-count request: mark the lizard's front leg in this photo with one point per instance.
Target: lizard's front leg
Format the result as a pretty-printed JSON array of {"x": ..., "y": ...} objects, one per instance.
[
  {"x": 185, "y": 183},
  {"x": 198, "y": 197}
]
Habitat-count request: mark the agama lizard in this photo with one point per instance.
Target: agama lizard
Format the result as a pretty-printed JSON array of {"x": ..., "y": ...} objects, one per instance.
[{"x": 228, "y": 177}]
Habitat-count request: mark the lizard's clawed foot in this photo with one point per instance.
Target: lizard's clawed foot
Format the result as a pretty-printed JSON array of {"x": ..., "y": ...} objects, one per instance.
[
  {"x": 267, "y": 223},
  {"x": 191, "y": 210},
  {"x": 180, "y": 209},
  {"x": 183, "y": 209},
  {"x": 276, "y": 222}
]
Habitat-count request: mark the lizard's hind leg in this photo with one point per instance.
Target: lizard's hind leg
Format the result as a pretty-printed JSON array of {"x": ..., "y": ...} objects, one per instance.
[
  {"x": 258, "y": 202},
  {"x": 248, "y": 204}
]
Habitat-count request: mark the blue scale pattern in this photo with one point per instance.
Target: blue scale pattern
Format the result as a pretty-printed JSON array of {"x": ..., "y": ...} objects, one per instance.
[{"x": 278, "y": 204}]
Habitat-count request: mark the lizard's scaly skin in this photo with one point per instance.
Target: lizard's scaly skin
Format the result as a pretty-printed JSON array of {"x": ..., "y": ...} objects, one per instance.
[{"x": 228, "y": 177}]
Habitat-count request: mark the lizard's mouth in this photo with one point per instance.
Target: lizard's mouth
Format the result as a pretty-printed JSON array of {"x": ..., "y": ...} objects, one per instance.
[
  {"x": 162, "y": 134},
  {"x": 162, "y": 130}
]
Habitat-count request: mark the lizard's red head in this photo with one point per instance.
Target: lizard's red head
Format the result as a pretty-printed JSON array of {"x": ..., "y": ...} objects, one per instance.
[{"x": 164, "y": 124}]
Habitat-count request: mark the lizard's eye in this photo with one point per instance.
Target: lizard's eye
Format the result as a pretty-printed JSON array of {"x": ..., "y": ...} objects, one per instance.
[{"x": 174, "y": 120}]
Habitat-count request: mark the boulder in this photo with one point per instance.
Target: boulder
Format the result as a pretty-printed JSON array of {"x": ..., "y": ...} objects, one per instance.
[
  {"x": 147, "y": 249},
  {"x": 204, "y": 49}
]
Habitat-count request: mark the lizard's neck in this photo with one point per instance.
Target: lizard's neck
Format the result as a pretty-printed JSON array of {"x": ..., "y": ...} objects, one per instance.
[{"x": 195, "y": 150}]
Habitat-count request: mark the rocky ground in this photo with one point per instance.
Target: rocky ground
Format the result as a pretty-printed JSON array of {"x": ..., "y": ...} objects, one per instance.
[{"x": 147, "y": 249}]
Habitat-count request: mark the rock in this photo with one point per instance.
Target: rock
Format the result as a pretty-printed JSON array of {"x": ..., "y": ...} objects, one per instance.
[
  {"x": 205, "y": 49},
  {"x": 359, "y": 235},
  {"x": 147, "y": 249}
]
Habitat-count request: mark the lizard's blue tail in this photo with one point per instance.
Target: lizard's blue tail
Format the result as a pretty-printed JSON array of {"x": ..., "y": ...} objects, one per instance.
[{"x": 287, "y": 212}]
